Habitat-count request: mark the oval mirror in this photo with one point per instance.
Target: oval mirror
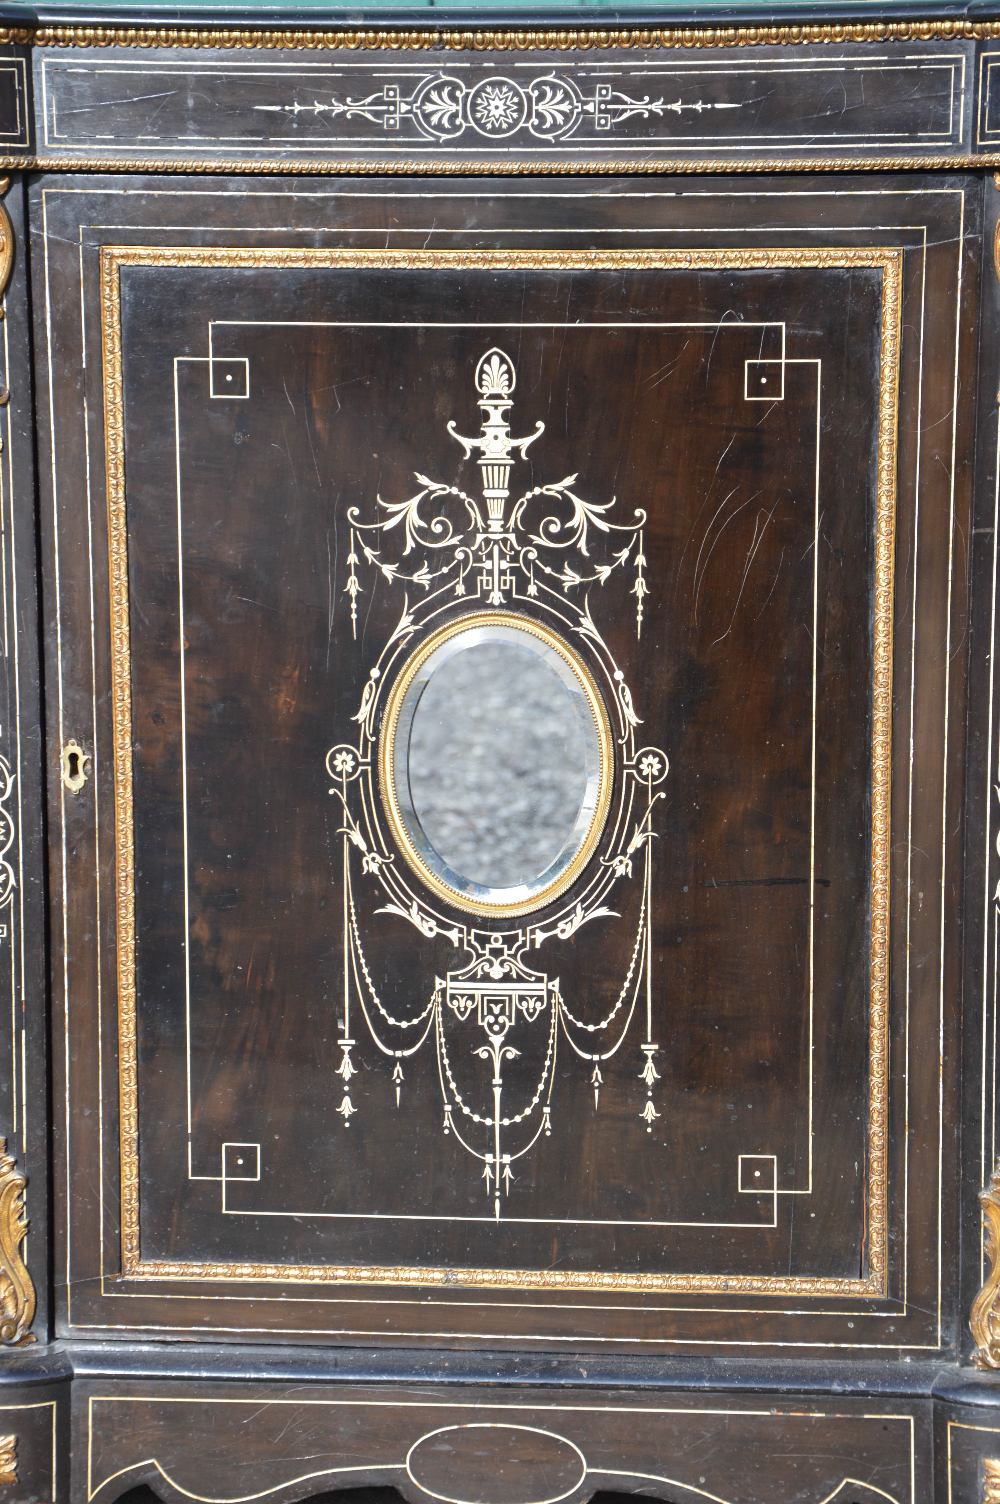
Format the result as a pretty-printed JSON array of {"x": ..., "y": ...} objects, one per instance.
[{"x": 496, "y": 763}]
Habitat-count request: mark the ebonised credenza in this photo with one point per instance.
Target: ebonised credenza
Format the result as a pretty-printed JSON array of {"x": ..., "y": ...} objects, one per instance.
[{"x": 500, "y": 759}]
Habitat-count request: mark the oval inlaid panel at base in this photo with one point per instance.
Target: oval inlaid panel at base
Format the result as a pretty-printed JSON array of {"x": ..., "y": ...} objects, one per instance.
[{"x": 484, "y": 1463}]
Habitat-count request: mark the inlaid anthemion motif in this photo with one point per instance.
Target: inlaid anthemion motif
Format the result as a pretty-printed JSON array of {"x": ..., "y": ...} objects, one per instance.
[
  {"x": 444, "y": 107},
  {"x": 889, "y": 263},
  {"x": 540, "y": 553}
]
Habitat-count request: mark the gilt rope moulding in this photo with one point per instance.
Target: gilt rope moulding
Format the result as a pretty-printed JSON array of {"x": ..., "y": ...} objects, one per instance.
[{"x": 542, "y": 553}]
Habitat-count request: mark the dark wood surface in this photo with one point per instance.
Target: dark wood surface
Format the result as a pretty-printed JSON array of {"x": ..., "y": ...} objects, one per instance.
[
  {"x": 34, "y": 1417},
  {"x": 724, "y": 676},
  {"x": 359, "y": 1303},
  {"x": 17, "y": 127},
  {"x": 980, "y": 910}
]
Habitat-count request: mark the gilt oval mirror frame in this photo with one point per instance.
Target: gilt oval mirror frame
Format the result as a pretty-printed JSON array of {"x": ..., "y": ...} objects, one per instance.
[{"x": 496, "y": 799}]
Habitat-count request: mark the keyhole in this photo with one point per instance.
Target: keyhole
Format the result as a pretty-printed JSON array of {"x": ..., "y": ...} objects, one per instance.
[{"x": 75, "y": 767}]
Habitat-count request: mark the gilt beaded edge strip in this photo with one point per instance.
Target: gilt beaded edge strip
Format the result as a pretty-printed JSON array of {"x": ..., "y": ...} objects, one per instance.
[
  {"x": 889, "y": 261},
  {"x": 567, "y": 39},
  {"x": 502, "y": 167}
]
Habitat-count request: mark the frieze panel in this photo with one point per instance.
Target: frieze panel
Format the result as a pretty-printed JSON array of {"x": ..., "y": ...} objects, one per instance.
[
  {"x": 538, "y": 105},
  {"x": 202, "y": 1445}
]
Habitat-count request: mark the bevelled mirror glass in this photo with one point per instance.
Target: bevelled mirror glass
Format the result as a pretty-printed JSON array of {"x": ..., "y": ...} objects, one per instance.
[{"x": 496, "y": 763}]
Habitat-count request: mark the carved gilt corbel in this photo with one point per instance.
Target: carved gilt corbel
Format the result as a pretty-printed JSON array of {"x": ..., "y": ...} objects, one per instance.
[
  {"x": 6, "y": 240},
  {"x": 8, "y": 1461},
  {"x": 17, "y": 1293},
  {"x": 991, "y": 1480},
  {"x": 984, "y": 1319}
]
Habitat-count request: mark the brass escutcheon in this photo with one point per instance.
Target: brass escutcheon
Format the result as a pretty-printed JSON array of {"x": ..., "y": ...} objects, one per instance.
[{"x": 75, "y": 767}]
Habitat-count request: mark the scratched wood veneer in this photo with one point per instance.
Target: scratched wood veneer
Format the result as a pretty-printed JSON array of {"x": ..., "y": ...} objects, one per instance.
[{"x": 409, "y": 430}]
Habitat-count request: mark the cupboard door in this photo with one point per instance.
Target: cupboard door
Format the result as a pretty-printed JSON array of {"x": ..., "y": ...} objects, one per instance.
[{"x": 507, "y": 638}]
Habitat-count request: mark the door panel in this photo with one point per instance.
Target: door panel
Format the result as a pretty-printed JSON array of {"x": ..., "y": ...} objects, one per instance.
[{"x": 700, "y": 441}]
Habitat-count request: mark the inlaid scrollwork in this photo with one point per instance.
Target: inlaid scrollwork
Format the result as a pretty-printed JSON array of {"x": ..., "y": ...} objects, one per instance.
[{"x": 527, "y": 562}]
